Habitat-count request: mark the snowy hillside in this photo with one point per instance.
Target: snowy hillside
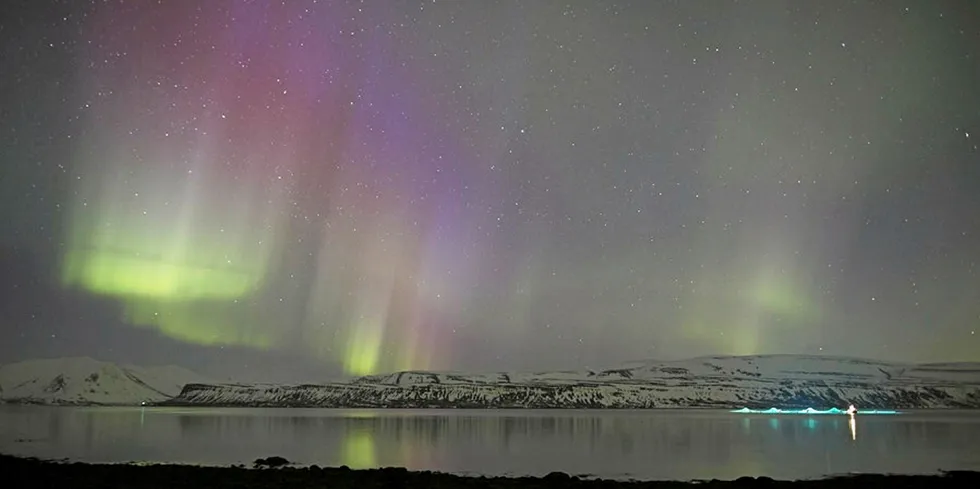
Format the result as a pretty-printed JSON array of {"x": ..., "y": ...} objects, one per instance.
[
  {"x": 83, "y": 380},
  {"x": 724, "y": 382}
]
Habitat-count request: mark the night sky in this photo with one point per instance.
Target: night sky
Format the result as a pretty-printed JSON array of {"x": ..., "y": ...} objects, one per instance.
[{"x": 309, "y": 189}]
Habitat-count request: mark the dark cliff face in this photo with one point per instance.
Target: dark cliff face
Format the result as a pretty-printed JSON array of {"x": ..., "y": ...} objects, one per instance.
[
  {"x": 764, "y": 381},
  {"x": 613, "y": 395},
  {"x": 56, "y": 385}
]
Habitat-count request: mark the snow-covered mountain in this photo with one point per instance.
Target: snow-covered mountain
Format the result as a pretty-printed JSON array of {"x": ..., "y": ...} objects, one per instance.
[
  {"x": 784, "y": 381},
  {"x": 83, "y": 380}
]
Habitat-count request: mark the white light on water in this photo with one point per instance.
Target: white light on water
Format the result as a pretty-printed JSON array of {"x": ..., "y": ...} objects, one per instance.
[{"x": 810, "y": 410}]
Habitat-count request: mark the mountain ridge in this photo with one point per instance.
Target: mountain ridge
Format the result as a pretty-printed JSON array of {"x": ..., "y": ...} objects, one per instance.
[
  {"x": 86, "y": 381},
  {"x": 716, "y": 381},
  {"x": 759, "y": 381}
]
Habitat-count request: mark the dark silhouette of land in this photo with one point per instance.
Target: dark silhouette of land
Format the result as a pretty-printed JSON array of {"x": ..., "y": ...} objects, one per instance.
[{"x": 29, "y": 472}]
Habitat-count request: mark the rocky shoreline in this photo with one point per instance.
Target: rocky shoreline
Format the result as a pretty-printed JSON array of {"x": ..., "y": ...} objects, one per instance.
[{"x": 29, "y": 473}]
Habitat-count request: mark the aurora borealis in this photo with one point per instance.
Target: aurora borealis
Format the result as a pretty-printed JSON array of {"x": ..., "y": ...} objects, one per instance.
[{"x": 313, "y": 188}]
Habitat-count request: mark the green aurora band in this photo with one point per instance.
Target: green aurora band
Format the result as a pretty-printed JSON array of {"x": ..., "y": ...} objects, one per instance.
[{"x": 167, "y": 262}]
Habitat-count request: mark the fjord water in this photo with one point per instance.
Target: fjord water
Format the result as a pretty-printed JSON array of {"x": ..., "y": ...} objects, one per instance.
[{"x": 660, "y": 444}]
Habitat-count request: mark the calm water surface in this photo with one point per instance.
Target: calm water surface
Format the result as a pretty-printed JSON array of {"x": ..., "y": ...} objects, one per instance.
[{"x": 620, "y": 444}]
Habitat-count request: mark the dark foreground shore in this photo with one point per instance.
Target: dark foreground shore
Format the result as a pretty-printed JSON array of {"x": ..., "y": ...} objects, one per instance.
[{"x": 24, "y": 472}]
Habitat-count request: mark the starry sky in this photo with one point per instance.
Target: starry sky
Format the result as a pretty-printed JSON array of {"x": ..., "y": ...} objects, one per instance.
[{"x": 312, "y": 188}]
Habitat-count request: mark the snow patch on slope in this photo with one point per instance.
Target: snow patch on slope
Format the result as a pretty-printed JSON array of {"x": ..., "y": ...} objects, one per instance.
[{"x": 762, "y": 381}]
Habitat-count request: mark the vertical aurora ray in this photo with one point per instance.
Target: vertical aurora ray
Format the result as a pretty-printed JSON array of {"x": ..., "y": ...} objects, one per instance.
[
  {"x": 182, "y": 218},
  {"x": 788, "y": 194},
  {"x": 355, "y": 187},
  {"x": 393, "y": 249},
  {"x": 282, "y": 188},
  {"x": 147, "y": 245},
  {"x": 168, "y": 258},
  {"x": 371, "y": 312},
  {"x": 751, "y": 265}
]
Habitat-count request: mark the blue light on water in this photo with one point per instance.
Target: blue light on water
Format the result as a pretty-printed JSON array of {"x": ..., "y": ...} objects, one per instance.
[{"x": 809, "y": 411}]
